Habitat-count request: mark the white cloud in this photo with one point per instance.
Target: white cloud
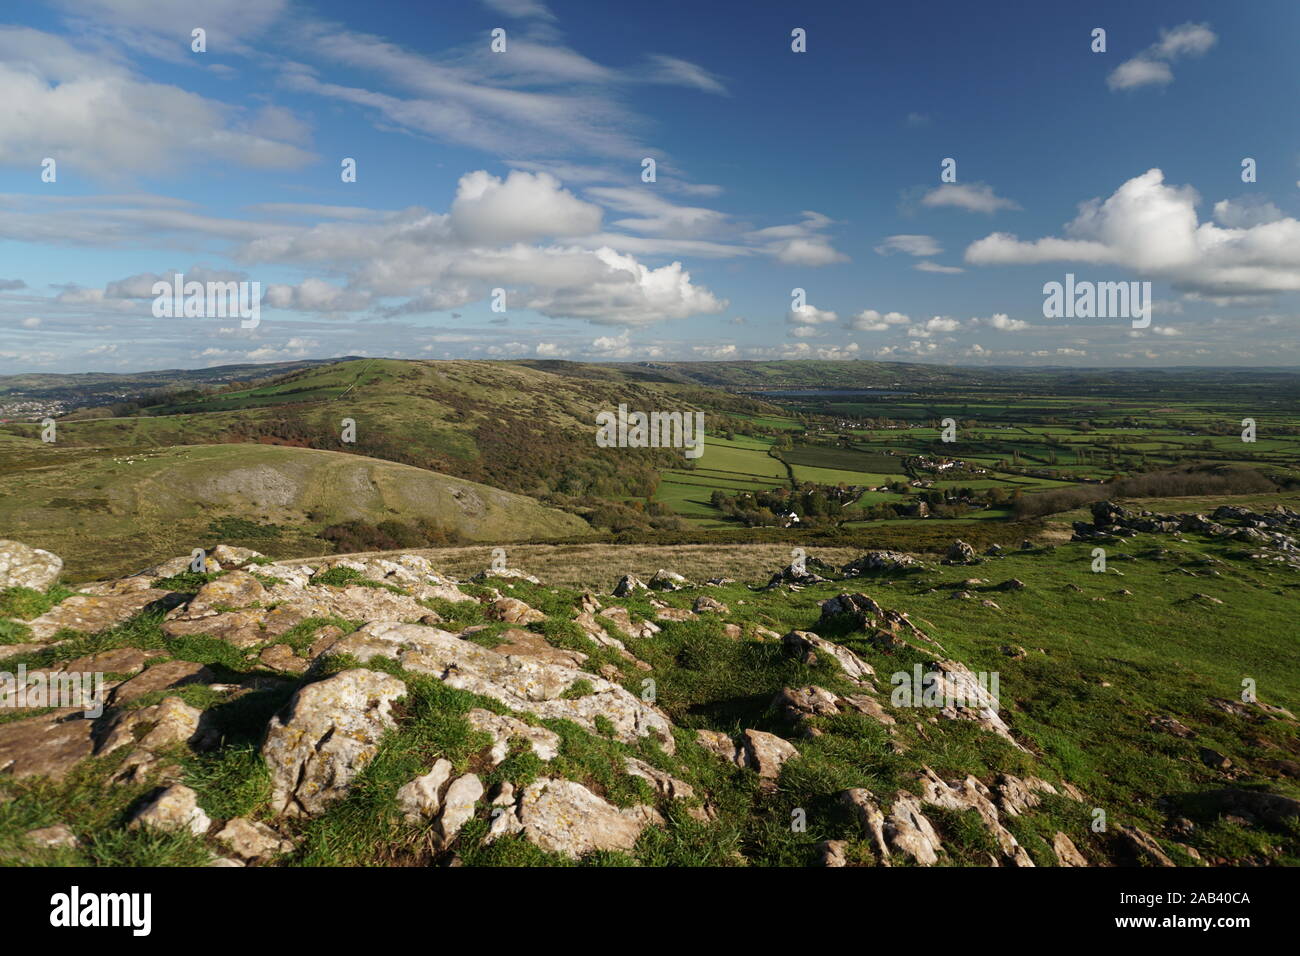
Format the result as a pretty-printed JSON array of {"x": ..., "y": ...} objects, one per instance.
[
  {"x": 810, "y": 315},
  {"x": 1246, "y": 212},
  {"x": 1153, "y": 229},
  {"x": 314, "y": 295},
  {"x": 525, "y": 206},
  {"x": 938, "y": 323},
  {"x": 670, "y": 69},
  {"x": 972, "y": 197},
  {"x": 927, "y": 266},
  {"x": 869, "y": 320},
  {"x": 93, "y": 116},
  {"x": 1151, "y": 66},
  {"x": 801, "y": 243},
  {"x": 910, "y": 245},
  {"x": 1002, "y": 322}
]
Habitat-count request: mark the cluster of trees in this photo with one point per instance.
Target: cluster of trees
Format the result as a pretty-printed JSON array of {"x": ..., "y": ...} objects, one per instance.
[
  {"x": 350, "y": 536},
  {"x": 814, "y": 505},
  {"x": 1174, "y": 483}
]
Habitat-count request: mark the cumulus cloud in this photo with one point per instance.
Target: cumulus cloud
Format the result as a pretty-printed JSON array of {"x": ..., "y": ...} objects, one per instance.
[
  {"x": 522, "y": 207},
  {"x": 810, "y": 315},
  {"x": 314, "y": 295},
  {"x": 972, "y": 197},
  {"x": 869, "y": 320},
  {"x": 1153, "y": 229},
  {"x": 936, "y": 324},
  {"x": 1246, "y": 212},
  {"x": 1151, "y": 66},
  {"x": 1002, "y": 322}
]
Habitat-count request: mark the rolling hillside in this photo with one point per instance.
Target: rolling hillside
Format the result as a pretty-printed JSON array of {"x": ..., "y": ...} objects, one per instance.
[{"x": 138, "y": 507}]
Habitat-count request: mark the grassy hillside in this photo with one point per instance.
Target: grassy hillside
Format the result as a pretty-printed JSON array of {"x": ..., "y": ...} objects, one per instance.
[
  {"x": 1125, "y": 685},
  {"x": 137, "y": 507}
]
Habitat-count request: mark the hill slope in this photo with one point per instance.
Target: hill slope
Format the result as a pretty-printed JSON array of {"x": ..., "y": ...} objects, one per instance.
[{"x": 141, "y": 506}]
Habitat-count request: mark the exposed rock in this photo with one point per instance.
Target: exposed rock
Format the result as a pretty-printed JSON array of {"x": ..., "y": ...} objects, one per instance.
[
  {"x": 623, "y": 621},
  {"x": 707, "y": 605},
  {"x": 176, "y": 808},
  {"x": 420, "y": 799},
  {"x": 564, "y": 817},
  {"x": 502, "y": 728},
  {"x": 90, "y": 613},
  {"x": 909, "y": 831},
  {"x": 667, "y": 581},
  {"x": 280, "y": 657},
  {"x": 514, "y": 611},
  {"x": 234, "y": 589},
  {"x": 765, "y": 753},
  {"x": 46, "y": 746},
  {"x": 121, "y": 660},
  {"x": 520, "y": 683},
  {"x": 458, "y": 806},
  {"x": 326, "y": 638},
  {"x": 164, "y": 676},
  {"x": 25, "y": 567},
  {"x": 252, "y": 840},
  {"x": 862, "y": 803},
  {"x": 874, "y": 561},
  {"x": 152, "y": 729},
  {"x": 329, "y": 732},
  {"x": 1016, "y": 795},
  {"x": 674, "y": 614},
  {"x": 240, "y": 629},
  {"x": 628, "y": 585},
  {"x": 812, "y": 701},
  {"x": 55, "y": 837},
  {"x": 797, "y": 574},
  {"x": 804, "y": 644},
  {"x": 1067, "y": 854},
  {"x": 862, "y": 613},
  {"x": 1213, "y": 759},
  {"x": 1011, "y": 584},
  {"x": 665, "y": 784},
  {"x": 970, "y": 794},
  {"x": 1170, "y": 725},
  {"x": 508, "y": 574},
  {"x": 965, "y": 698},
  {"x": 720, "y": 744},
  {"x": 831, "y": 853},
  {"x": 520, "y": 643},
  {"x": 1140, "y": 848},
  {"x": 232, "y": 557},
  {"x": 960, "y": 553}
]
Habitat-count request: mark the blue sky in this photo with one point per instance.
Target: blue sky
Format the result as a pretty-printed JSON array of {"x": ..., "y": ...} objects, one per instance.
[{"x": 521, "y": 171}]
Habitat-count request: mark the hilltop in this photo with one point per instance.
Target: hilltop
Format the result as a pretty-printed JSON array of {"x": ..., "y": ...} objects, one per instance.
[{"x": 1081, "y": 718}]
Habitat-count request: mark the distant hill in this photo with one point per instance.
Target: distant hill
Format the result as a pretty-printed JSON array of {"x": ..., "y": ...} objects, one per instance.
[{"x": 139, "y": 507}]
